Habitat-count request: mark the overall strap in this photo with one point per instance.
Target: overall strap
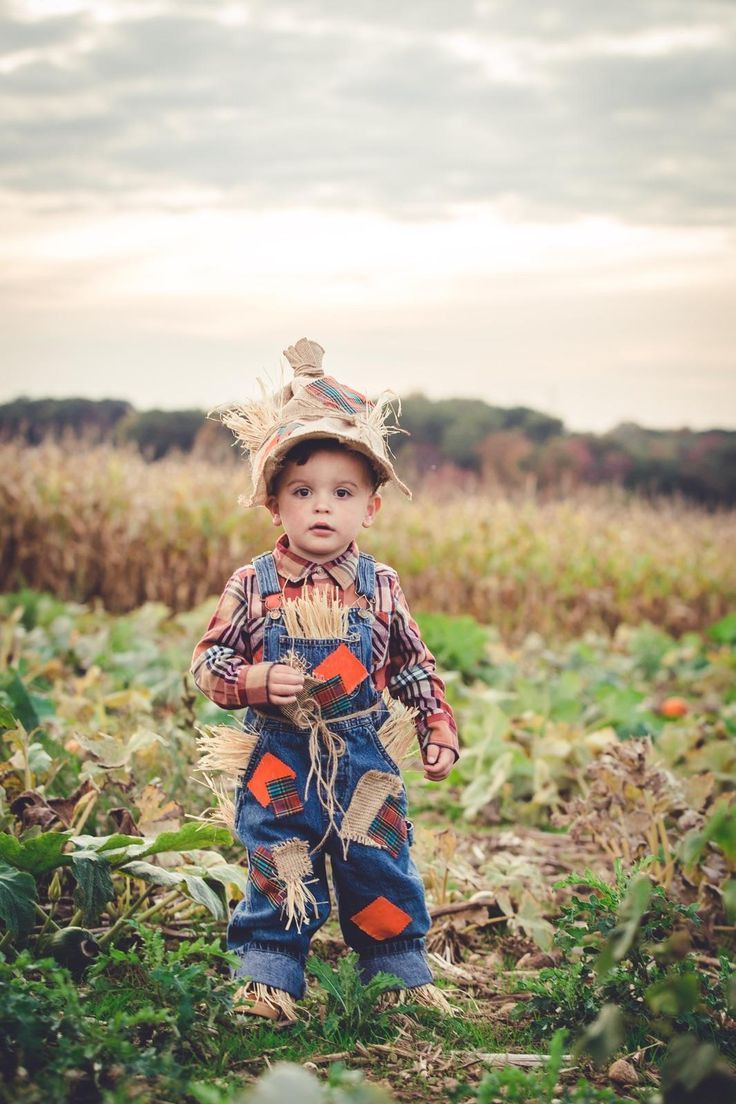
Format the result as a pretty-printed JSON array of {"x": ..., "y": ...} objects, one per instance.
[
  {"x": 365, "y": 580},
  {"x": 266, "y": 574}
]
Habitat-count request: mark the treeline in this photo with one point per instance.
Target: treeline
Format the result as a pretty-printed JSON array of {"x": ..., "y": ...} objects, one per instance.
[{"x": 464, "y": 441}]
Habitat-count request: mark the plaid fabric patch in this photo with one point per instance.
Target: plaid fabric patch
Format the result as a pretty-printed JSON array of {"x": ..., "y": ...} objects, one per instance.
[
  {"x": 284, "y": 797},
  {"x": 223, "y": 658},
  {"x": 270, "y": 769},
  {"x": 388, "y": 827},
  {"x": 337, "y": 396},
  {"x": 279, "y": 434},
  {"x": 331, "y": 698},
  {"x": 263, "y": 873}
]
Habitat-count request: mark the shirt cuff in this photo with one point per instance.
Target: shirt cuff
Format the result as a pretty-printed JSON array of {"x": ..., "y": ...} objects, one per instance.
[
  {"x": 439, "y": 732},
  {"x": 253, "y": 684}
]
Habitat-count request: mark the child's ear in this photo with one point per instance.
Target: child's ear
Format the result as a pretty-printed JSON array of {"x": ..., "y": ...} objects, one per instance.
[
  {"x": 374, "y": 505},
  {"x": 273, "y": 508}
]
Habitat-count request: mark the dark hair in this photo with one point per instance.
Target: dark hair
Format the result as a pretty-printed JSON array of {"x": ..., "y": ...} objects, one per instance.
[{"x": 303, "y": 451}]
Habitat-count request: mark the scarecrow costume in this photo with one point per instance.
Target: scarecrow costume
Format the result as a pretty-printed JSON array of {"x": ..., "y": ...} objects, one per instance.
[{"x": 320, "y": 776}]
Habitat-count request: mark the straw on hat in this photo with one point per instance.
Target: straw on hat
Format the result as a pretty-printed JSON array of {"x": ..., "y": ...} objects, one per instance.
[{"x": 312, "y": 405}]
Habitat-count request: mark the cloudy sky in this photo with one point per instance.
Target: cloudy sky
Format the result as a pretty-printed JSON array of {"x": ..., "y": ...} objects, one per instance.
[{"x": 526, "y": 201}]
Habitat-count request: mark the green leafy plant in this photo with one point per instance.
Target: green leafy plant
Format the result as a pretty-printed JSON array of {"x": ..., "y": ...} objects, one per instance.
[
  {"x": 458, "y": 643},
  {"x": 94, "y": 860},
  {"x": 351, "y": 1011},
  {"x": 718, "y": 832},
  {"x": 626, "y": 944},
  {"x": 185, "y": 979},
  {"x": 517, "y": 1086},
  {"x": 145, "y": 1011},
  {"x": 44, "y": 1028}
]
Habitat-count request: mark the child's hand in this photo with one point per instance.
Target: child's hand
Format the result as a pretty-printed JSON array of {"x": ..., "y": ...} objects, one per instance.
[
  {"x": 438, "y": 762},
  {"x": 284, "y": 683}
]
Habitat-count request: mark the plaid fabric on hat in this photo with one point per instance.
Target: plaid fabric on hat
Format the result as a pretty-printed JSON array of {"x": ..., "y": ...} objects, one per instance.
[
  {"x": 279, "y": 435},
  {"x": 311, "y": 405},
  {"x": 284, "y": 797},
  {"x": 263, "y": 873},
  {"x": 388, "y": 827},
  {"x": 337, "y": 396}
]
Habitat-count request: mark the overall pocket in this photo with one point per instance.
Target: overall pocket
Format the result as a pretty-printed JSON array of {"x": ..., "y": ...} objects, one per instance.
[{"x": 375, "y": 739}]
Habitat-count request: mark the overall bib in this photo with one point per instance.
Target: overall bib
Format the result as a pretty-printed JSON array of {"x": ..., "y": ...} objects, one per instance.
[{"x": 287, "y": 831}]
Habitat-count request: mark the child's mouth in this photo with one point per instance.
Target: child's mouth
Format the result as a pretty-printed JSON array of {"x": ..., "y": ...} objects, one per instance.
[{"x": 321, "y": 529}]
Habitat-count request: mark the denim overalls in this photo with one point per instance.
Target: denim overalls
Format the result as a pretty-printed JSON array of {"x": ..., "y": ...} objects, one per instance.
[{"x": 287, "y": 832}]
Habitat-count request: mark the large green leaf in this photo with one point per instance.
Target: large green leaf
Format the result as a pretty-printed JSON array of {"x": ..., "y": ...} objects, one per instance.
[
  {"x": 156, "y": 875},
  {"x": 695, "y": 1073},
  {"x": 36, "y": 855},
  {"x": 20, "y": 699},
  {"x": 17, "y": 894},
  {"x": 729, "y": 899},
  {"x": 115, "y": 842},
  {"x": 205, "y": 895},
  {"x": 94, "y": 884},
  {"x": 724, "y": 631},
  {"x": 191, "y": 837},
  {"x": 196, "y": 886},
  {"x": 120, "y": 849},
  {"x": 602, "y": 1038},
  {"x": 227, "y": 874},
  {"x": 721, "y": 829},
  {"x": 7, "y": 720},
  {"x": 673, "y": 995},
  {"x": 289, "y": 1082}
]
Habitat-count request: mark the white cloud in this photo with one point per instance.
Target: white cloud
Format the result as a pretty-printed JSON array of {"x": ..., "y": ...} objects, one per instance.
[{"x": 199, "y": 181}]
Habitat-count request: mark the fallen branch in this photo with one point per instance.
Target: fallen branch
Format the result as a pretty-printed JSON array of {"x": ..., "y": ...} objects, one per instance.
[
  {"x": 522, "y": 1061},
  {"x": 466, "y": 906}
]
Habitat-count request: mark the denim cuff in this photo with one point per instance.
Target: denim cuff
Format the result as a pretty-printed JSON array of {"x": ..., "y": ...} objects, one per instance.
[
  {"x": 408, "y": 963},
  {"x": 282, "y": 971}
]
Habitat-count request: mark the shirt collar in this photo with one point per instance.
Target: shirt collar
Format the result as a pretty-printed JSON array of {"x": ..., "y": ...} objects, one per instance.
[{"x": 342, "y": 570}]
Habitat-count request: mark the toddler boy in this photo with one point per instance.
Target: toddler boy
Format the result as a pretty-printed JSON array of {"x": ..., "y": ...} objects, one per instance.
[{"x": 306, "y": 638}]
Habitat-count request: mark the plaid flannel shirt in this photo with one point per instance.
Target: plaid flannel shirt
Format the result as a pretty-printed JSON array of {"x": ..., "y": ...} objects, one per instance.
[{"x": 227, "y": 662}]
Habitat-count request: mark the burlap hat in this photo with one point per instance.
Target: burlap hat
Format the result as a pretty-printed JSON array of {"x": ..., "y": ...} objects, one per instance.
[{"x": 311, "y": 405}]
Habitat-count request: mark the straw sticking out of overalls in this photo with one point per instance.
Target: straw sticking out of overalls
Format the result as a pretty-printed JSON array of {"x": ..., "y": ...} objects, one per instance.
[{"x": 360, "y": 824}]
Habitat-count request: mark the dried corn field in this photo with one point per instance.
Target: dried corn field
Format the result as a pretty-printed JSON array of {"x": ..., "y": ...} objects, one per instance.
[{"x": 99, "y": 522}]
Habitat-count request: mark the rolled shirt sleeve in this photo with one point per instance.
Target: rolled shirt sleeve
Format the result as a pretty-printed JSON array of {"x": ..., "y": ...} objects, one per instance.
[
  {"x": 222, "y": 664},
  {"x": 412, "y": 678}
]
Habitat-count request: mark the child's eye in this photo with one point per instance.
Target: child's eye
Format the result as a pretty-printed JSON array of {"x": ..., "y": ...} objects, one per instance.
[
  {"x": 301, "y": 492},
  {"x": 342, "y": 492}
]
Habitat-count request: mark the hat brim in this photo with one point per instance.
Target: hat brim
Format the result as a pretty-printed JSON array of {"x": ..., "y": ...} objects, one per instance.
[{"x": 354, "y": 437}]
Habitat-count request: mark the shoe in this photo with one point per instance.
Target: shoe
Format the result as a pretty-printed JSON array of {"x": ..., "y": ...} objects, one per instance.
[{"x": 255, "y": 999}]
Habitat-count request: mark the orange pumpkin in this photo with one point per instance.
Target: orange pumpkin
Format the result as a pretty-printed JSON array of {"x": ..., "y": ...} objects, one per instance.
[{"x": 674, "y": 707}]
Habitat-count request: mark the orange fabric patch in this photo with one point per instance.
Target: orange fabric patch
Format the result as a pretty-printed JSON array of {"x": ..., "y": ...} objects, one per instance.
[
  {"x": 342, "y": 662},
  {"x": 381, "y": 920},
  {"x": 269, "y": 769}
]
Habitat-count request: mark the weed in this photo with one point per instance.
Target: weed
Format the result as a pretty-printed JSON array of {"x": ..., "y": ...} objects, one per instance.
[
  {"x": 517, "y": 1086},
  {"x": 626, "y": 944},
  {"x": 351, "y": 1011}
]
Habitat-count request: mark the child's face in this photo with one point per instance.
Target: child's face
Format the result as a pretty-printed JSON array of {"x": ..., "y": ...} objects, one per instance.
[{"x": 323, "y": 504}]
